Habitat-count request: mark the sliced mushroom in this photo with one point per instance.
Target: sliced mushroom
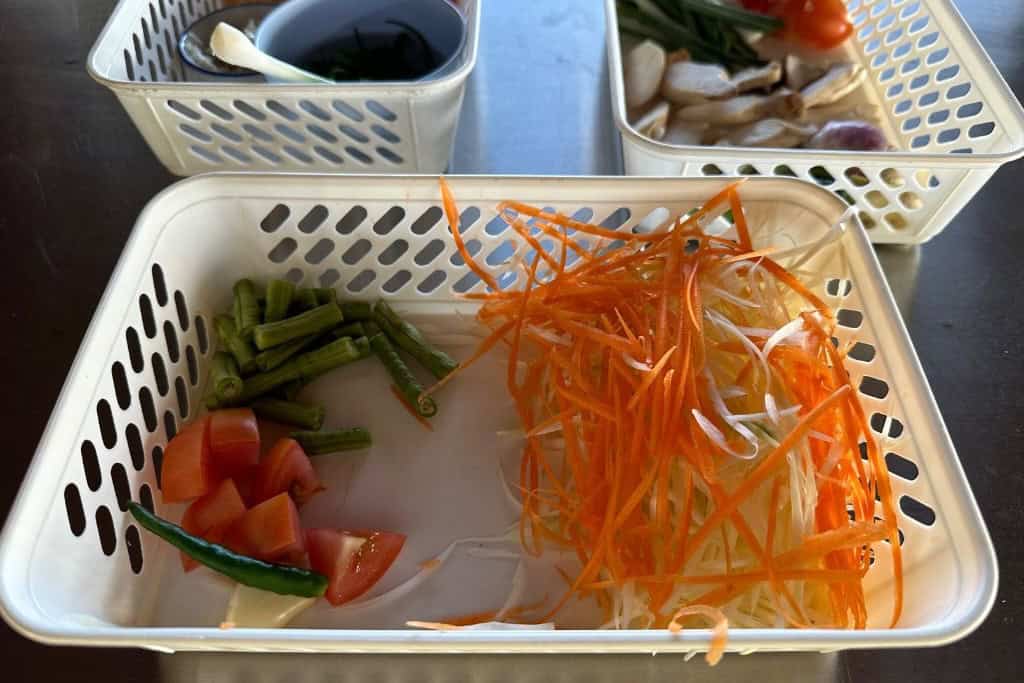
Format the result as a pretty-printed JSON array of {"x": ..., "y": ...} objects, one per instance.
[
  {"x": 799, "y": 72},
  {"x": 842, "y": 111},
  {"x": 685, "y": 132},
  {"x": 783, "y": 103},
  {"x": 680, "y": 55},
  {"x": 838, "y": 82},
  {"x": 756, "y": 77},
  {"x": 642, "y": 72},
  {"x": 769, "y": 133},
  {"x": 652, "y": 122},
  {"x": 694, "y": 82}
]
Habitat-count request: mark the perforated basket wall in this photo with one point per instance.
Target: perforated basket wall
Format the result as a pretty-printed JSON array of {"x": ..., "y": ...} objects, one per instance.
[
  {"x": 198, "y": 127},
  {"x": 75, "y": 569},
  {"x": 945, "y": 107}
]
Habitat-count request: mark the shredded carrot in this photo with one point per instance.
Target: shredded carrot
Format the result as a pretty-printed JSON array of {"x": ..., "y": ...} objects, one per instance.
[
  {"x": 412, "y": 411},
  {"x": 613, "y": 354}
]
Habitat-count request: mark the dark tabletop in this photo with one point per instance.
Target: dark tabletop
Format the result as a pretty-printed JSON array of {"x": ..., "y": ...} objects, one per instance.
[{"x": 74, "y": 174}]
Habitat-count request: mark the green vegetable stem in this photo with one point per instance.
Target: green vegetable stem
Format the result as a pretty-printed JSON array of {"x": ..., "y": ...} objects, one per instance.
[{"x": 320, "y": 443}]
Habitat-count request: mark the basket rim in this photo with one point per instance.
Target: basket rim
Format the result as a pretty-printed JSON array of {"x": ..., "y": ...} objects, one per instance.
[
  {"x": 897, "y": 158},
  {"x": 23, "y": 615},
  {"x": 198, "y": 88}
]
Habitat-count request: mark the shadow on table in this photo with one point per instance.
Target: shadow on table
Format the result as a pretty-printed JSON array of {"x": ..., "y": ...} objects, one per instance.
[
  {"x": 901, "y": 266},
  {"x": 273, "y": 668}
]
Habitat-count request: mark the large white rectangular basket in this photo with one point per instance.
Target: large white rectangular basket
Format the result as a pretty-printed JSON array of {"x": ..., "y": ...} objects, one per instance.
[
  {"x": 943, "y": 103},
  {"x": 75, "y": 569},
  {"x": 218, "y": 126}
]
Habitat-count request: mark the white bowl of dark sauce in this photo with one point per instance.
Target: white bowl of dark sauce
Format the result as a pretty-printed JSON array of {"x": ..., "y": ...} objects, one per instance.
[{"x": 397, "y": 41}]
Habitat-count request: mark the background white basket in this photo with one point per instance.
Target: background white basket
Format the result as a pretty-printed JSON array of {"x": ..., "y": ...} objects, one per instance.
[
  {"x": 75, "y": 569},
  {"x": 942, "y": 100},
  {"x": 198, "y": 127}
]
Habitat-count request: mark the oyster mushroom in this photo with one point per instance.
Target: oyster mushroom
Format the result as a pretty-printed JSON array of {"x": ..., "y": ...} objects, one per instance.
[
  {"x": 685, "y": 132},
  {"x": 642, "y": 72},
  {"x": 838, "y": 82},
  {"x": 783, "y": 103},
  {"x": 755, "y": 77},
  {"x": 688, "y": 82},
  {"x": 653, "y": 120},
  {"x": 769, "y": 133},
  {"x": 799, "y": 72}
]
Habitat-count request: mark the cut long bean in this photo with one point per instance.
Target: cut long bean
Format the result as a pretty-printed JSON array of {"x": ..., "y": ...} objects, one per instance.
[
  {"x": 406, "y": 382},
  {"x": 279, "y": 299},
  {"x": 325, "y": 295},
  {"x": 247, "y": 308},
  {"x": 241, "y": 349},
  {"x": 304, "y": 415},
  {"x": 305, "y": 366},
  {"x": 276, "y": 578},
  {"x": 363, "y": 345},
  {"x": 405, "y": 334},
  {"x": 356, "y": 310},
  {"x": 303, "y": 300},
  {"x": 225, "y": 379},
  {"x": 320, "y": 443},
  {"x": 354, "y": 330},
  {"x": 271, "y": 358},
  {"x": 314, "y": 321}
]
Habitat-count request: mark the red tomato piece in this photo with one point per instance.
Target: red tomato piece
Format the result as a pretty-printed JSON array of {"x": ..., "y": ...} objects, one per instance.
[
  {"x": 211, "y": 516},
  {"x": 269, "y": 531},
  {"x": 234, "y": 440},
  {"x": 352, "y": 561},
  {"x": 187, "y": 471},
  {"x": 287, "y": 469},
  {"x": 223, "y": 506}
]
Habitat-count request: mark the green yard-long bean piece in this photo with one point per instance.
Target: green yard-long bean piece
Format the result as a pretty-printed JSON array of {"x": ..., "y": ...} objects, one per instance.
[
  {"x": 354, "y": 330},
  {"x": 305, "y": 366},
  {"x": 406, "y": 382},
  {"x": 304, "y": 415},
  {"x": 225, "y": 379},
  {"x": 405, "y": 334},
  {"x": 303, "y": 300},
  {"x": 325, "y": 295},
  {"x": 246, "y": 307},
  {"x": 314, "y": 321},
  {"x": 276, "y": 578},
  {"x": 279, "y": 299},
  {"x": 363, "y": 345},
  {"x": 321, "y": 443},
  {"x": 241, "y": 349},
  {"x": 356, "y": 310},
  {"x": 273, "y": 357}
]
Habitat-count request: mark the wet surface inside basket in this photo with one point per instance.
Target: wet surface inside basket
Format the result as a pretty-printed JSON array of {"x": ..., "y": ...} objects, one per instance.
[{"x": 435, "y": 487}]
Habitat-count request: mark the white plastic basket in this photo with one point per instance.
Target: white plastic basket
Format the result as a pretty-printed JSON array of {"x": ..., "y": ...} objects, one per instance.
[
  {"x": 942, "y": 100},
  {"x": 74, "y": 569},
  {"x": 198, "y": 127}
]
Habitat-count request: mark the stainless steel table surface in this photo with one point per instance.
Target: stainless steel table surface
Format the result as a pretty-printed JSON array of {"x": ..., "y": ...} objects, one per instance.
[{"x": 74, "y": 174}]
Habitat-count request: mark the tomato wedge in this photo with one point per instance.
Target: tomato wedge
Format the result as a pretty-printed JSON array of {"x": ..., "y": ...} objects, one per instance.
[
  {"x": 269, "y": 531},
  {"x": 211, "y": 516},
  {"x": 352, "y": 561},
  {"x": 234, "y": 440},
  {"x": 187, "y": 471},
  {"x": 286, "y": 469}
]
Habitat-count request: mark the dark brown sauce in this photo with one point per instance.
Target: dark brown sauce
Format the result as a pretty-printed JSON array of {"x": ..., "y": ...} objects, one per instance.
[{"x": 374, "y": 54}]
